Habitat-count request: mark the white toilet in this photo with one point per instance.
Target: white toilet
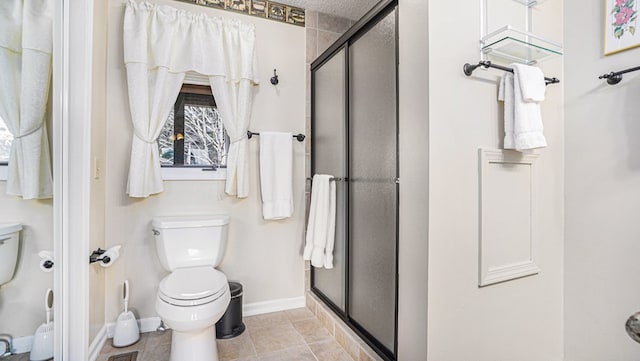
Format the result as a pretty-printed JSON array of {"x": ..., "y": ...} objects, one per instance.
[
  {"x": 9, "y": 238},
  {"x": 195, "y": 295}
]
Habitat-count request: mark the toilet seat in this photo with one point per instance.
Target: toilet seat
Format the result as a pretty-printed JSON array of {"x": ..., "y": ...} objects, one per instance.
[{"x": 193, "y": 286}]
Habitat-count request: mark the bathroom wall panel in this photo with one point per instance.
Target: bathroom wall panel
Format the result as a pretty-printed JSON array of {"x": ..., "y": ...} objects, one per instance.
[
  {"x": 372, "y": 185},
  {"x": 602, "y": 204},
  {"x": 329, "y": 137},
  {"x": 266, "y": 257},
  {"x": 523, "y": 317}
]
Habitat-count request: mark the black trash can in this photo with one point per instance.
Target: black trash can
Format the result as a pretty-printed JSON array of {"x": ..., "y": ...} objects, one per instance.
[{"x": 231, "y": 325}]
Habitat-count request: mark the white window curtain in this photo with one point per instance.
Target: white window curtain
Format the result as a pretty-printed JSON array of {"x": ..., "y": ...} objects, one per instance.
[
  {"x": 161, "y": 44},
  {"x": 25, "y": 76}
]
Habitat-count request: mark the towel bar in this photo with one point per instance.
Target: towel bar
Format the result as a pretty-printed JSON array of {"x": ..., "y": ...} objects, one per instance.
[
  {"x": 469, "y": 68},
  {"x": 333, "y": 179},
  {"x": 615, "y": 77},
  {"x": 300, "y": 137}
]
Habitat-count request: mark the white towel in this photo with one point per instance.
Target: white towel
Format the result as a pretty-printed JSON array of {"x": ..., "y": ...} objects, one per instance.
[
  {"x": 276, "y": 175},
  {"x": 505, "y": 94},
  {"x": 321, "y": 228},
  {"x": 522, "y": 93}
]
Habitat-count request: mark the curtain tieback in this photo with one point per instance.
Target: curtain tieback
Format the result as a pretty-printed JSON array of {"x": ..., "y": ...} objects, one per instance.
[
  {"x": 27, "y": 133},
  {"x": 144, "y": 139}
]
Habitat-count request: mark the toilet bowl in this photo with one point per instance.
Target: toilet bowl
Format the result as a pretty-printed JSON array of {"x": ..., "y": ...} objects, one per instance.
[
  {"x": 195, "y": 295},
  {"x": 190, "y": 302}
]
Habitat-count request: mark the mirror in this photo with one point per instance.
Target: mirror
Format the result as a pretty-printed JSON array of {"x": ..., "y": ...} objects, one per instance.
[{"x": 26, "y": 193}]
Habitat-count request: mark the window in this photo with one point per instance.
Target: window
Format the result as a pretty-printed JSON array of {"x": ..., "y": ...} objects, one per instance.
[
  {"x": 193, "y": 139},
  {"x": 5, "y": 143},
  {"x": 5, "y": 148}
]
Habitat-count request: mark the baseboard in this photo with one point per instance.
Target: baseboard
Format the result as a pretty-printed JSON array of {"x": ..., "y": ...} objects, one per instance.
[
  {"x": 21, "y": 344},
  {"x": 145, "y": 324},
  {"x": 258, "y": 308},
  {"x": 251, "y": 309},
  {"x": 98, "y": 343}
]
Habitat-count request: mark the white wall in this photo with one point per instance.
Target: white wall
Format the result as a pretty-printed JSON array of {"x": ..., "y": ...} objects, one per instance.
[
  {"x": 602, "y": 193},
  {"x": 22, "y": 299},
  {"x": 264, "y": 256},
  {"x": 413, "y": 80},
  {"x": 98, "y": 150},
  {"x": 517, "y": 320}
]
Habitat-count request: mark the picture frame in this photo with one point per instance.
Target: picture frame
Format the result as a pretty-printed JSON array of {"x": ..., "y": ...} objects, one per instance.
[{"x": 620, "y": 26}]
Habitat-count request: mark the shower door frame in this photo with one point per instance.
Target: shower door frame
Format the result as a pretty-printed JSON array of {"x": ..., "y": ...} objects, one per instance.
[{"x": 360, "y": 28}]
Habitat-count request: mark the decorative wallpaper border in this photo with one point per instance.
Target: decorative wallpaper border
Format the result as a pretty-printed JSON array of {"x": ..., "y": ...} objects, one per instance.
[{"x": 261, "y": 8}]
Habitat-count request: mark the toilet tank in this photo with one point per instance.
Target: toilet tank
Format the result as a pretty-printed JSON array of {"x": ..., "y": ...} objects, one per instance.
[
  {"x": 190, "y": 241},
  {"x": 9, "y": 238}
]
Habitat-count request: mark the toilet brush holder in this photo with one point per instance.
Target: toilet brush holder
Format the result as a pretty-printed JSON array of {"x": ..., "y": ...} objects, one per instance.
[{"x": 127, "y": 331}]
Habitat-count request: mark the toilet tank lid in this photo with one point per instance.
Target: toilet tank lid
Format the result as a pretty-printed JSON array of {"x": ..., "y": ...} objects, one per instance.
[
  {"x": 190, "y": 221},
  {"x": 7, "y": 228}
]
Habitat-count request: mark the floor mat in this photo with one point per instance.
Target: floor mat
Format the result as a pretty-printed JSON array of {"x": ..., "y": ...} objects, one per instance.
[{"x": 129, "y": 356}]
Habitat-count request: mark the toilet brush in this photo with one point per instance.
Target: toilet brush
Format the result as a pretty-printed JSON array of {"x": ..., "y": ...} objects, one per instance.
[
  {"x": 127, "y": 332},
  {"x": 42, "y": 348}
]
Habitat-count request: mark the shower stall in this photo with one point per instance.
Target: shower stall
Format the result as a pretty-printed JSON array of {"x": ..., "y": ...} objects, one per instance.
[{"x": 355, "y": 139}]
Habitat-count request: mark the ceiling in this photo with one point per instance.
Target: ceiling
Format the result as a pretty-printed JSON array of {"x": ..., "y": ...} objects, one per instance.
[{"x": 352, "y": 9}]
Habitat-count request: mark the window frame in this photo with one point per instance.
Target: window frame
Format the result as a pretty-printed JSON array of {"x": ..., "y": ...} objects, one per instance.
[
  {"x": 4, "y": 169},
  {"x": 181, "y": 172}
]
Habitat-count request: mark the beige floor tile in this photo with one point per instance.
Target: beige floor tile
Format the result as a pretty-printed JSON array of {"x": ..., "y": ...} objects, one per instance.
[
  {"x": 299, "y": 353},
  {"x": 299, "y": 314},
  {"x": 160, "y": 352},
  {"x": 240, "y": 347},
  {"x": 154, "y": 339},
  {"x": 267, "y": 320},
  {"x": 109, "y": 349},
  {"x": 329, "y": 351},
  {"x": 312, "y": 331},
  {"x": 275, "y": 338}
]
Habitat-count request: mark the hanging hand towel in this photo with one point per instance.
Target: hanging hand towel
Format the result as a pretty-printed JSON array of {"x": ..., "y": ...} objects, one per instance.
[
  {"x": 276, "y": 175},
  {"x": 528, "y": 90},
  {"x": 505, "y": 94},
  {"x": 321, "y": 228}
]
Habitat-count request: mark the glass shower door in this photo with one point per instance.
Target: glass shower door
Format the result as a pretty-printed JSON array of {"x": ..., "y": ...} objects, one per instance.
[
  {"x": 372, "y": 181},
  {"x": 329, "y": 142}
]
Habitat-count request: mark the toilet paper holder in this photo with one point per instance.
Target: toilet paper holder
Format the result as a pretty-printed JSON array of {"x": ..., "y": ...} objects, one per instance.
[
  {"x": 97, "y": 256},
  {"x": 106, "y": 257}
]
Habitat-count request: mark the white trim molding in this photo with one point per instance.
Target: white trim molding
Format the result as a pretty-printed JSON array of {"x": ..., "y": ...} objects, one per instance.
[
  {"x": 21, "y": 345},
  {"x": 145, "y": 325},
  {"x": 72, "y": 89},
  {"x": 192, "y": 173},
  {"x": 258, "y": 308},
  {"x": 508, "y": 245},
  {"x": 98, "y": 343}
]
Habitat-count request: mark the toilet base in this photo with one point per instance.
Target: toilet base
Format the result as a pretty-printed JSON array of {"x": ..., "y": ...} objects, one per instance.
[{"x": 194, "y": 346}]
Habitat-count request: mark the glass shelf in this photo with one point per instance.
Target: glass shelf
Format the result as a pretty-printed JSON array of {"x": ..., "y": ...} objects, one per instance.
[{"x": 513, "y": 45}]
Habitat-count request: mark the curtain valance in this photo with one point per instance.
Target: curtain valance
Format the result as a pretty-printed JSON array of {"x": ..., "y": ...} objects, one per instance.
[
  {"x": 161, "y": 44},
  {"x": 181, "y": 41}
]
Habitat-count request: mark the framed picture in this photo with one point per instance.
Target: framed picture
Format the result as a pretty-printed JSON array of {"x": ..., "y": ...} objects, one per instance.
[{"x": 620, "y": 26}]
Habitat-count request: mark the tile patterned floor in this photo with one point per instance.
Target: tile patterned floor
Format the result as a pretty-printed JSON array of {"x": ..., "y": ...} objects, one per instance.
[{"x": 293, "y": 335}]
